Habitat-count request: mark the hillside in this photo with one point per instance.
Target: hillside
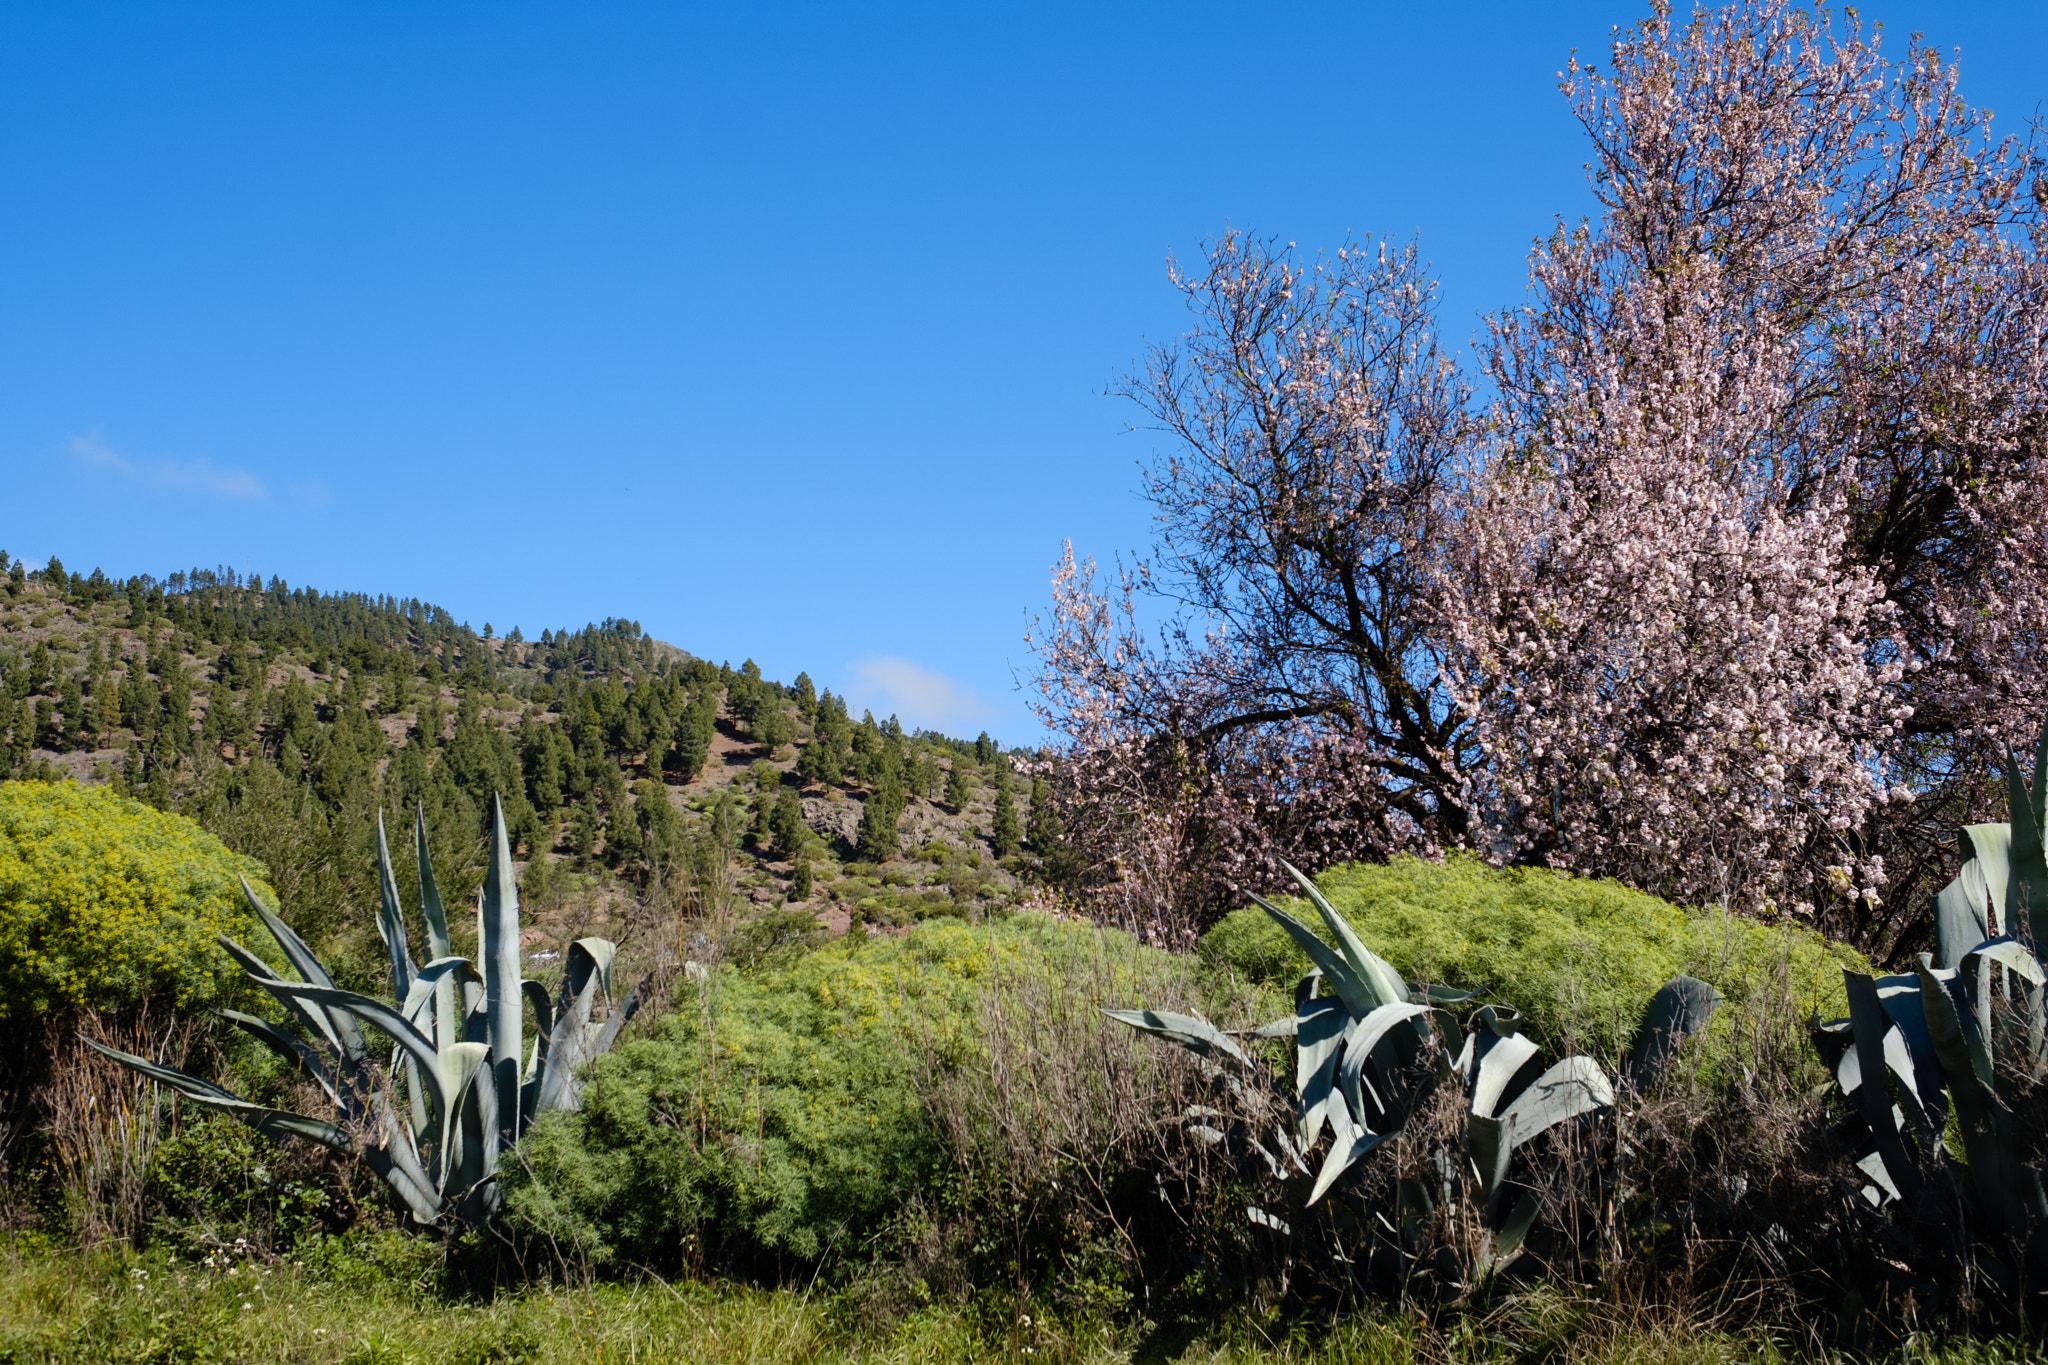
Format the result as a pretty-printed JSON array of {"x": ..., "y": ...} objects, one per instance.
[{"x": 646, "y": 787}]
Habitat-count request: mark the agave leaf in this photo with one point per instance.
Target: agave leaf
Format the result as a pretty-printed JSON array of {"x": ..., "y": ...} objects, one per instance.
[
  {"x": 1959, "y": 915},
  {"x": 1386, "y": 983},
  {"x": 1351, "y": 988},
  {"x": 1443, "y": 995},
  {"x": 623, "y": 1015},
  {"x": 476, "y": 1156},
  {"x": 1318, "y": 1039},
  {"x": 1679, "y": 1009},
  {"x": 1996, "y": 1166},
  {"x": 1197, "y": 1035},
  {"x": 1488, "y": 1145},
  {"x": 293, "y": 1050},
  {"x": 391, "y": 919},
  {"x": 1869, "y": 1024},
  {"x": 543, "y": 1009},
  {"x": 1344, "y": 1154},
  {"x": 1500, "y": 1020},
  {"x": 499, "y": 948},
  {"x": 419, "y": 1198},
  {"x": 349, "y": 1039},
  {"x": 272, "y": 1123},
  {"x": 2012, "y": 955},
  {"x": 1900, "y": 996},
  {"x": 2026, "y": 888},
  {"x": 430, "y": 892},
  {"x": 1516, "y": 1230},
  {"x": 1360, "y": 1039},
  {"x": 1573, "y": 1087},
  {"x": 450, "y": 1003},
  {"x": 428, "y": 983},
  {"x": 1283, "y": 1027},
  {"x": 313, "y": 1019},
  {"x": 2017, "y": 961},
  {"x": 1496, "y": 1061},
  {"x": 1989, "y": 886},
  {"x": 387, "y": 1018}
]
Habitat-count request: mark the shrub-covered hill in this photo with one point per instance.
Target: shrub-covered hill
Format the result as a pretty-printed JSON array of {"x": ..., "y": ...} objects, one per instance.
[{"x": 632, "y": 772}]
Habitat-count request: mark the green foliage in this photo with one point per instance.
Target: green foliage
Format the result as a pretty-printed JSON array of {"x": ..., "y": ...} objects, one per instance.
[
  {"x": 459, "y": 1035},
  {"x": 786, "y": 825},
  {"x": 877, "y": 840},
  {"x": 1003, "y": 833},
  {"x": 1581, "y": 957},
  {"x": 774, "y": 1116},
  {"x": 104, "y": 901}
]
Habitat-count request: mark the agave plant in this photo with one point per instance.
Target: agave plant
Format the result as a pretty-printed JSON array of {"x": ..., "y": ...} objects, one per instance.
[
  {"x": 470, "y": 1085},
  {"x": 1368, "y": 1054},
  {"x": 1958, "y": 1050}
]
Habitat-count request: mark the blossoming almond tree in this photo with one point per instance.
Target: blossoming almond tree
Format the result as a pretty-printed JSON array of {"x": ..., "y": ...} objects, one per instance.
[{"x": 1742, "y": 555}]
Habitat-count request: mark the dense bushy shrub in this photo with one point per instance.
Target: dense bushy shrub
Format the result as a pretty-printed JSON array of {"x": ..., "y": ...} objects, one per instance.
[
  {"x": 104, "y": 901},
  {"x": 782, "y": 1116},
  {"x": 1576, "y": 954}
]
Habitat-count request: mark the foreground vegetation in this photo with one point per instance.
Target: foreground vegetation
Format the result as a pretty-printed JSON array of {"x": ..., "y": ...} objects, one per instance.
[{"x": 384, "y": 1301}]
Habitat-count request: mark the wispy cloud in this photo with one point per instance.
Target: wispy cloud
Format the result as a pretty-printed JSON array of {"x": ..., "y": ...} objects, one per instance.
[
  {"x": 198, "y": 476},
  {"x": 919, "y": 697}
]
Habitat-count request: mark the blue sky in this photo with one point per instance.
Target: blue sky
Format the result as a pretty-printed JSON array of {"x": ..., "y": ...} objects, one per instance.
[{"x": 782, "y": 330}]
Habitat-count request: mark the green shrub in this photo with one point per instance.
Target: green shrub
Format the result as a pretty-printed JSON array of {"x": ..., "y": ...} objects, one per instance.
[
  {"x": 104, "y": 900},
  {"x": 1574, "y": 954},
  {"x": 775, "y": 1118}
]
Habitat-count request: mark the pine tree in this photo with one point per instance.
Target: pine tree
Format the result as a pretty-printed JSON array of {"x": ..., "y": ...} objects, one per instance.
[
  {"x": 1003, "y": 832},
  {"x": 800, "y": 882},
  {"x": 958, "y": 793},
  {"x": 772, "y": 729},
  {"x": 821, "y": 761},
  {"x": 984, "y": 750},
  {"x": 786, "y": 825},
  {"x": 877, "y": 838}
]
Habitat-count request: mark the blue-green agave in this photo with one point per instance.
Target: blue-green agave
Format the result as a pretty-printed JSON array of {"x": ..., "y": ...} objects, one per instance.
[
  {"x": 1954, "y": 1052},
  {"x": 470, "y": 1085},
  {"x": 1367, "y": 1053}
]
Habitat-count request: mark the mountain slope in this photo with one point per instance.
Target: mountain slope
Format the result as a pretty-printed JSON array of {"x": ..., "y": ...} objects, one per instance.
[{"x": 645, "y": 787}]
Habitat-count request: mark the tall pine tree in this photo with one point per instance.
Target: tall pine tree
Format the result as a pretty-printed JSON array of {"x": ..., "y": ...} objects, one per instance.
[{"x": 1003, "y": 833}]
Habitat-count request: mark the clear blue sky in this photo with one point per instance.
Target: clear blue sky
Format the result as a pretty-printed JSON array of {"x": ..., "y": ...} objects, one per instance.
[{"x": 783, "y": 331}]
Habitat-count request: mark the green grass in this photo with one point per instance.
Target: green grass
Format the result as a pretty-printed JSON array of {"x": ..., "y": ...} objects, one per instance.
[{"x": 374, "y": 1302}]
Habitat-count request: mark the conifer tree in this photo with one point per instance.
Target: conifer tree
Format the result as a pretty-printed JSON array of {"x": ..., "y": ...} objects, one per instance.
[
  {"x": 877, "y": 838},
  {"x": 800, "y": 882},
  {"x": 984, "y": 749},
  {"x": 1003, "y": 832},
  {"x": 958, "y": 793},
  {"x": 786, "y": 825}
]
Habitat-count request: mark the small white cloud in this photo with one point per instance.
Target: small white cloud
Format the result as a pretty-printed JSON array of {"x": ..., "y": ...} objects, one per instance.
[
  {"x": 199, "y": 475},
  {"x": 915, "y": 695}
]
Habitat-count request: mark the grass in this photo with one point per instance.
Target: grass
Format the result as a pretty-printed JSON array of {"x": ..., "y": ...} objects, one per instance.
[{"x": 376, "y": 1304}]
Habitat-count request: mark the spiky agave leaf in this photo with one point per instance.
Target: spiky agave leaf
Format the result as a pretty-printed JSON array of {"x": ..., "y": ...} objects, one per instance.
[
  {"x": 498, "y": 943},
  {"x": 1196, "y": 1034},
  {"x": 1680, "y": 1008},
  {"x": 1385, "y": 983}
]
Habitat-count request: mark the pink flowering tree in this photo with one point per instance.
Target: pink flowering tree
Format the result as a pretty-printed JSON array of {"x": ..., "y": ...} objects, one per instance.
[{"x": 1731, "y": 587}]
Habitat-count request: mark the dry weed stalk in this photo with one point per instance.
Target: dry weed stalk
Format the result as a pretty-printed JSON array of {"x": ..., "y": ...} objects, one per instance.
[{"x": 105, "y": 1121}]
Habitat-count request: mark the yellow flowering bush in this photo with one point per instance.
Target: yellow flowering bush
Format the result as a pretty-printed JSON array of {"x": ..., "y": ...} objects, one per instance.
[
  {"x": 1579, "y": 956},
  {"x": 104, "y": 900}
]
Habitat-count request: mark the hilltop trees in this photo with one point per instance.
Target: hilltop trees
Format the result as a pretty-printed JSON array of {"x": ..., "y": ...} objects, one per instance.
[{"x": 1726, "y": 591}]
